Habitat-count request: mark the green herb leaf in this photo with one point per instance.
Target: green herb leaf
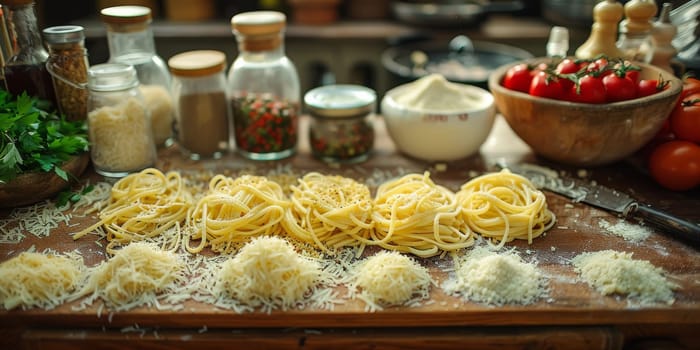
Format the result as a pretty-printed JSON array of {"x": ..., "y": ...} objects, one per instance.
[{"x": 34, "y": 138}]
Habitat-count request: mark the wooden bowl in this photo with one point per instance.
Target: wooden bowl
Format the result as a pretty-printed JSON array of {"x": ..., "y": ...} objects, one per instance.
[
  {"x": 585, "y": 134},
  {"x": 30, "y": 188}
]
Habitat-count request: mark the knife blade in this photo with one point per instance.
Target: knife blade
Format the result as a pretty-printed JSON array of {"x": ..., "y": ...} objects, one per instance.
[{"x": 608, "y": 199}]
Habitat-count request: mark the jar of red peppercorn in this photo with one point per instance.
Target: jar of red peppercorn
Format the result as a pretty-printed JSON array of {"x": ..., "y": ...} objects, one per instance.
[
  {"x": 263, "y": 86},
  {"x": 341, "y": 129}
]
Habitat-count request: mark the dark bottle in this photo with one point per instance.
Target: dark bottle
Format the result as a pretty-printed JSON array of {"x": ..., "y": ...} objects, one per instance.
[{"x": 26, "y": 70}]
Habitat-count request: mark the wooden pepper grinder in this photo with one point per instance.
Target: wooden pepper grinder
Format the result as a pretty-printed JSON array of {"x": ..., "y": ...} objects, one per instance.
[
  {"x": 606, "y": 15},
  {"x": 635, "y": 30},
  {"x": 662, "y": 33}
]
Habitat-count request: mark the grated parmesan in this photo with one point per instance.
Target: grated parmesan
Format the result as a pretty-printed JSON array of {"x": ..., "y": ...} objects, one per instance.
[
  {"x": 628, "y": 231},
  {"x": 133, "y": 277},
  {"x": 493, "y": 278},
  {"x": 613, "y": 272},
  {"x": 268, "y": 272},
  {"x": 389, "y": 278},
  {"x": 39, "y": 280}
]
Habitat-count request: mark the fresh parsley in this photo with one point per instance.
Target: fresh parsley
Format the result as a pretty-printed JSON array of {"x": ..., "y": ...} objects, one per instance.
[{"x": 32, "y": 139}]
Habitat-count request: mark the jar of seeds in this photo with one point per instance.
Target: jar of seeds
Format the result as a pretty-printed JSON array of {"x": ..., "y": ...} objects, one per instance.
[{"x": 68, "y": 66}]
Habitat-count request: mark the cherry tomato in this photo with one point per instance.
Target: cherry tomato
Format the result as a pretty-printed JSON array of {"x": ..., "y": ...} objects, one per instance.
[
  {"x": 590, "y": 89},
  {"x": 619, "y": 88},
  {"x": 685, "y": 119},
  {"x": 647, "y": 87},
  {"x": 567, "y": 66},
  {"x": 518, "y": 78},
  {"x": 545, "y": 85},
  {"x": 567, "y": 69},
  {"x": 632, "y": 74},
  {"x": 675, "y": 165}
]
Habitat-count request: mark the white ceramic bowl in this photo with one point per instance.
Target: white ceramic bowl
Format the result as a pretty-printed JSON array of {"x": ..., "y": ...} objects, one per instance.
[{"x": 439, "y": 135}]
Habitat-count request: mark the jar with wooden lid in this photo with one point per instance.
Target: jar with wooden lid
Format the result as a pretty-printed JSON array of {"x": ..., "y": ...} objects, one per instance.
[
  {"x": 119, "y": 124},
  {"x": 263, "y": 86},
  {"x": 202, "y": 109},
  {"x": 341, "y": 128},
  {"x": 130, "y": 40},
  {"x": 68, "y": 65}
]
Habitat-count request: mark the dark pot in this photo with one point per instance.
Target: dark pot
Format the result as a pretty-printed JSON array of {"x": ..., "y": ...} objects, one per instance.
[{"x": 400, "y": 61}]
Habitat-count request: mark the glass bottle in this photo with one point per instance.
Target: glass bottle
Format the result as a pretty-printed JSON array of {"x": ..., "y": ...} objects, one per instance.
[
  {"x": 119, "y": 124},
  {"x": 25, "y": 70},
  {"x": 341, "y": 129},
  {"x": 130, "y": 39},
  {"x": 68, "y": 65},
  {"x": 263, "y": 86},
  {"x": 202, "y": 108}
]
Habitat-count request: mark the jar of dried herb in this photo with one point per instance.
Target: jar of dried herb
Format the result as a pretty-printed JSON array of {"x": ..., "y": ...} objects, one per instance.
[
  {"x": 68, "y": 66},
  {"x": 341, "y": 128}
]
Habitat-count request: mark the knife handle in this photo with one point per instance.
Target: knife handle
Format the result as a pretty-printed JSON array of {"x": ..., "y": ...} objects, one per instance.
[{"x": 674, "y": 226}]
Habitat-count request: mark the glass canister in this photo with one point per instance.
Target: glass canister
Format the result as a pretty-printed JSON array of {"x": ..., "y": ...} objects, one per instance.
[
  {"x": 131, "y": 41},
  {"x": 202, "y": 109},
  {"x": 341, "y": 128},
  {"x": 119, "y": 124},
  {"x": 25, "y": 69},
  {"x": 263, "y": 86},
  {"x": 68, "y": 65}
]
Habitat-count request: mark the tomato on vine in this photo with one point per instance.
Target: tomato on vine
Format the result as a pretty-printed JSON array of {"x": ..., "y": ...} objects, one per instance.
[
  {"x": 647, "y": 87},
  {"x": 544, "y": 84},
  {"x": 518, "y": 78},
  {"x": 618, "y": 87},
  {"x": 685, "y": 118},
  {"x": 589, "y": 89}
]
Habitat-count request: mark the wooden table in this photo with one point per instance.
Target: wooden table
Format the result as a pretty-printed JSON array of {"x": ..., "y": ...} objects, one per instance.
[{"x": 574, "y": 317}]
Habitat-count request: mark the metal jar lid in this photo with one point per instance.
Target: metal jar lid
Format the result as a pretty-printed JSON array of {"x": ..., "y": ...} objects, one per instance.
[
  {"x": 112, "y": 77},
  {"x": 64, "y": 34},
  {"x": 340, "y": 101}
]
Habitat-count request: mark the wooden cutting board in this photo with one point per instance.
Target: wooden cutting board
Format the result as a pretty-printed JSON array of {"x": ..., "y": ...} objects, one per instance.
[{"x": 570, "y": 301}]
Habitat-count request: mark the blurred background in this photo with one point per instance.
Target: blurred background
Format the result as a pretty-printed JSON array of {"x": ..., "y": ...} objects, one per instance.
[{"x": 366, "y": 42}]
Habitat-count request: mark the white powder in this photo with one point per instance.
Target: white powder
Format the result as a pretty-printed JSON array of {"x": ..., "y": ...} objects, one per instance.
[{"x": 434, "y": 93}]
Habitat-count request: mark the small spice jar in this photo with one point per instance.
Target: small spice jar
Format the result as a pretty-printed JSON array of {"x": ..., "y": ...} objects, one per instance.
[
  {"x": 341, "y": 129},
  {"x": 68, "y": 66},
  {"x": 202, "y": 109},
  {"x": 119, "y": 124}
]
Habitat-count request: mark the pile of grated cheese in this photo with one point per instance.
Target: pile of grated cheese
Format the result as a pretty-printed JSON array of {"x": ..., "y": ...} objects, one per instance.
[
  {"x": 628, "y": 231},
  {"x": 268, "y": 272},
  {"x": 493, "y": 278},
  {"x": 613, "y": 272},
  {"x": 39, "y": 280},
  {"x": 134, "y": 276},
  {"x": 389, "y": 278}
]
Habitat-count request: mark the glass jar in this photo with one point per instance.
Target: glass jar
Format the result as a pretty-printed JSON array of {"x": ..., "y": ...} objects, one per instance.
[
  {"x": 341, "y": 128},
  {"x": 202, "y": 109},
  {"x": 263, "y": 86},
  {"x": 25, "y": 69},
  {"x": 119, "y": 124},
  {"x": 130, "y": 40},
  {"x": 68, "y": 66}
]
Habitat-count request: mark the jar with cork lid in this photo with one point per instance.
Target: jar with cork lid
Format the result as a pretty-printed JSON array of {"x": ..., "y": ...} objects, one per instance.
[
  {"x": 202, "y": 109},
  {"x": 263, "y": 86},
  {"x": 68, "y": 65},
  {"x": 130, "y": 40},
  {"x": 119, "y": 124}
]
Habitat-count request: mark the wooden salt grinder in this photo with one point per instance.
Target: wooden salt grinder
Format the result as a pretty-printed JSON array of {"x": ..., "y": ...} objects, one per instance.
[{"x": 606, "y": 16}]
